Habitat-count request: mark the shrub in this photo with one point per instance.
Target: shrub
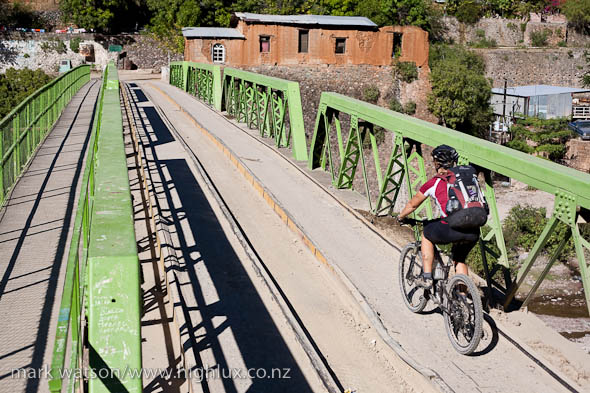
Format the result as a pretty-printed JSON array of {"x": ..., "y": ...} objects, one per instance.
[
  {"x": 475, "y": 261},
  {"x": 484, "y": 43},
  {"x": 60, "y": 47},
  {"x": 562, "y": 44},
  {"x": 550, "y": 136},
  {"x": 524, "y": 224},
  {"x": 520, "y": 145},
  {"x": 45, "y": 46},
  {"x": 53, "y": 45},
  {"x": 379, "y": 133},
  {"x": 405, "y": 71},
  {"x": 555, "y": 152},
  {"x": 539, "y": 38},
  {"x": 75, "y": 44},
  {"x": 577, "y": 13},
  {"x": 469, "y": 12},
  {"x": 461, "y": 93},
  {"x": 396, "y": 106},
  {"x": 410, "y": 108},
  {"x": 26, "y": 55},
  {"x": 16, "y": 85},
  {"x": 371, "y": 94},
  {"x": 523, "y": 27}
]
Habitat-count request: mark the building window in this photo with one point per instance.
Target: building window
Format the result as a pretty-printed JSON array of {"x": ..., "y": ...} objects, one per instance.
[
  {"x": 218, "y": 53},
  {"x": 264, "y": 44},
  {"x": 397, "y": 45},
  {"x": 340, "y": 45},
  {"x": 303, "y": 41}
]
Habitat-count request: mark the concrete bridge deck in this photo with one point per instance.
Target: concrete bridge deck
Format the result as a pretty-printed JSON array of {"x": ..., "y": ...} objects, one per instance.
[
  {"x": 238, "y": 215},
  {"x": 517, "y": 353}
]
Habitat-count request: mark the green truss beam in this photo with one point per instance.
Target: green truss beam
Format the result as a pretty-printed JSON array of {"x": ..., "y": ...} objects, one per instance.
[
  {"x": 198, "y": 79},
  {"x": 266, "y": 103},
  {"x": 537, "y": 172},
  {"x": 570, "y": 187}
]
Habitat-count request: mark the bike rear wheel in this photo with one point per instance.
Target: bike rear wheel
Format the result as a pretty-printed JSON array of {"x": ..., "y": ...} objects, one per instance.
[
  {"x": 463, "y": 314},
  {"x": 409, "y": 269}
]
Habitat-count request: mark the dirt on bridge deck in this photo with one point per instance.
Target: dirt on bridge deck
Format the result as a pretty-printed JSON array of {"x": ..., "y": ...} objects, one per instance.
[{"x": 518, "y": 352}]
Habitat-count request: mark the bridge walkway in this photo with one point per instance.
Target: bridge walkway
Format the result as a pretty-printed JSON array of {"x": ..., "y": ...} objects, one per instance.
[
  {"x": 507, "y": 359},
  {"x": 35, "y": 227}
]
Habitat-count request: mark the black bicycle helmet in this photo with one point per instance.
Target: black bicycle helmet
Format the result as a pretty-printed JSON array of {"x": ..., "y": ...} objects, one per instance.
[{"x": 445, "y": 155}]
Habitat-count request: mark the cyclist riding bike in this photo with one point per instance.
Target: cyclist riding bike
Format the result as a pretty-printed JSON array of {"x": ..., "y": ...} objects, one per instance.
[{"x": 453, "y": 189}]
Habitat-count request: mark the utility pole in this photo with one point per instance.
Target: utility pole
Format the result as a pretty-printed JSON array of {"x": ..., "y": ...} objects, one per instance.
[{"x": 504, "y": 102}]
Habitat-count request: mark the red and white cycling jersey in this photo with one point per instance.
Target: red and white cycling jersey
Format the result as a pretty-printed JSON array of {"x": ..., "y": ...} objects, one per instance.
[{"x": 437, "y": 189}]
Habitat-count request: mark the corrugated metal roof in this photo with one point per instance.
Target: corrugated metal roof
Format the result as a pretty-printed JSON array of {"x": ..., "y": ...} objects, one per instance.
[
  {"x": 537, "y": 90},
  {"x": 307, "y": 19},
  {"x": 211, "y": 32}
]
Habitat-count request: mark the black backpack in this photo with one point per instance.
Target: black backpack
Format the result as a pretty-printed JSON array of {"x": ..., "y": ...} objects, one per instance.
[{"x": 466, "y": 208}]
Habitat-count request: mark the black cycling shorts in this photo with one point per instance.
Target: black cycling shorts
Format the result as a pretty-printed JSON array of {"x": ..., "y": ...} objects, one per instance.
[{"x": 439, "y": 232}]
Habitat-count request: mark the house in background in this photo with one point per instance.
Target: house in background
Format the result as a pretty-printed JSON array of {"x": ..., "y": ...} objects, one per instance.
[
  {"x": 542, "y": 101},
  {"x": 257, "y": 39}
]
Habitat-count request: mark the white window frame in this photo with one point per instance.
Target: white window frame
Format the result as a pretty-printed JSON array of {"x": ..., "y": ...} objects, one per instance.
[{"x": 221, "y": 47}]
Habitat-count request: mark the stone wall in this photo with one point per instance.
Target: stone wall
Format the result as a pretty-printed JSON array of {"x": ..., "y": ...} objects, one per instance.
[
  {"x": 551, "y": 66},
  {"x": 578, "y": 154},
  {"x": 145, "y": 52},
  {"x": 352, "y": 81},
  {"x": 506, "y": 32},
  {"x": 25, "y": 50},
  {"x": 512, "y": 32}
]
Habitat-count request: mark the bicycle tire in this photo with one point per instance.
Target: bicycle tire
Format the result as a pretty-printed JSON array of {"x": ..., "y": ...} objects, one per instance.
[
  {"x": 414, "y": 267},
  {"x": 456, "y": 305}
]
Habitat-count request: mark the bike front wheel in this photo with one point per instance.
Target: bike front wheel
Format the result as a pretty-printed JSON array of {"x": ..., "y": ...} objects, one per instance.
[
  {"x": 409, "y": 269},
  {"x": 463, "y": 314}
]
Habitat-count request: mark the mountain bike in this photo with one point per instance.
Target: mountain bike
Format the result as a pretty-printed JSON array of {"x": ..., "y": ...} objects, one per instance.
[{"x": 457, "y": 297}]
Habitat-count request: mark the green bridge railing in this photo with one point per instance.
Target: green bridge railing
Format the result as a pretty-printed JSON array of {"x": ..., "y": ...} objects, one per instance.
[
  {"x": 201, "y": 80},
  {"x": 264, "y": 102},
  {"x": 271, "y": 105},
  {"x": 101, "y": 289},
  {"x": 405, "y": 164},
  {"x": 26, "y": 126}
]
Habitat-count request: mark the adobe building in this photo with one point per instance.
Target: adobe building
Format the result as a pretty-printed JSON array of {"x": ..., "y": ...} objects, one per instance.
[{"x": 256, "y": 39}]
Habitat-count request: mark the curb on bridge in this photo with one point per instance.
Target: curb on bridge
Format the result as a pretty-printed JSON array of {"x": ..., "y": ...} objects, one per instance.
[{"x": 430, "y": 375}]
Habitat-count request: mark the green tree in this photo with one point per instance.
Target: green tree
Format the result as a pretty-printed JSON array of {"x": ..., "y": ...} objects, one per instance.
[
  {"x": 16, "y": 85},
  {"x": 421, "y": 13},
  {"x": 109, "y": 16},
  {"x": 460, "y": 92},
  {"x": 578, "y": 13}
]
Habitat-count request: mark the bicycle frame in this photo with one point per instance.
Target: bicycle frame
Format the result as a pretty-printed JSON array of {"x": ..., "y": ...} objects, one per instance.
[{"x": 438, "y": 292}]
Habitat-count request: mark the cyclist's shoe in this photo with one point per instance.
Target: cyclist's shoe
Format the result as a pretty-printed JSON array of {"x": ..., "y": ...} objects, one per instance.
[{"x": 422, "y": 282}]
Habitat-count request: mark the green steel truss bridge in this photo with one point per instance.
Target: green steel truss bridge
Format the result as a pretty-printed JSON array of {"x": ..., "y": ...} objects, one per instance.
[{"x": 138, "y": 186}]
